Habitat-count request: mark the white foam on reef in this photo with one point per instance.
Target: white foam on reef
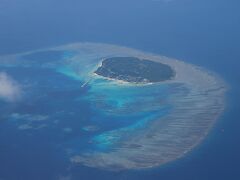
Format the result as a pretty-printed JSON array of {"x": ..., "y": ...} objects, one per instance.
[{"x": 165, "y": 139}]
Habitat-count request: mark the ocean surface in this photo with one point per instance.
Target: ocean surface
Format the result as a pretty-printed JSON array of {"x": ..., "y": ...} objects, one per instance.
[{"x": 199, "y": 32}]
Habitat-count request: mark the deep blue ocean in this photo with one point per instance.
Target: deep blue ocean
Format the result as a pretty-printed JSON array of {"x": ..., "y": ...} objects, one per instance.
[{"x": 205, "y": 33}]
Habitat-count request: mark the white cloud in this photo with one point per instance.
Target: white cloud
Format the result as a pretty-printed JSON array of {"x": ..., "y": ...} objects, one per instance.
[{"x": 9, "y": 88}]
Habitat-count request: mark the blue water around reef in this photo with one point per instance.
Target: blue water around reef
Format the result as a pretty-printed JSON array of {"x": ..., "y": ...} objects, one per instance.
[{"x": 200, "y": 32}]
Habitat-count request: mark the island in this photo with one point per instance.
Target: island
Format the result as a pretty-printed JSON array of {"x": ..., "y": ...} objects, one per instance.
[{"x": 135, "y": 70}]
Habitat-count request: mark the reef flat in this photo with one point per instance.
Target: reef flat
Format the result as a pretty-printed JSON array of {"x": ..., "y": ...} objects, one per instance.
[
  {"x": 198, "y": 100},
  {"x": 131, "y": 126},
  {"x": 135, "y": 70}
]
